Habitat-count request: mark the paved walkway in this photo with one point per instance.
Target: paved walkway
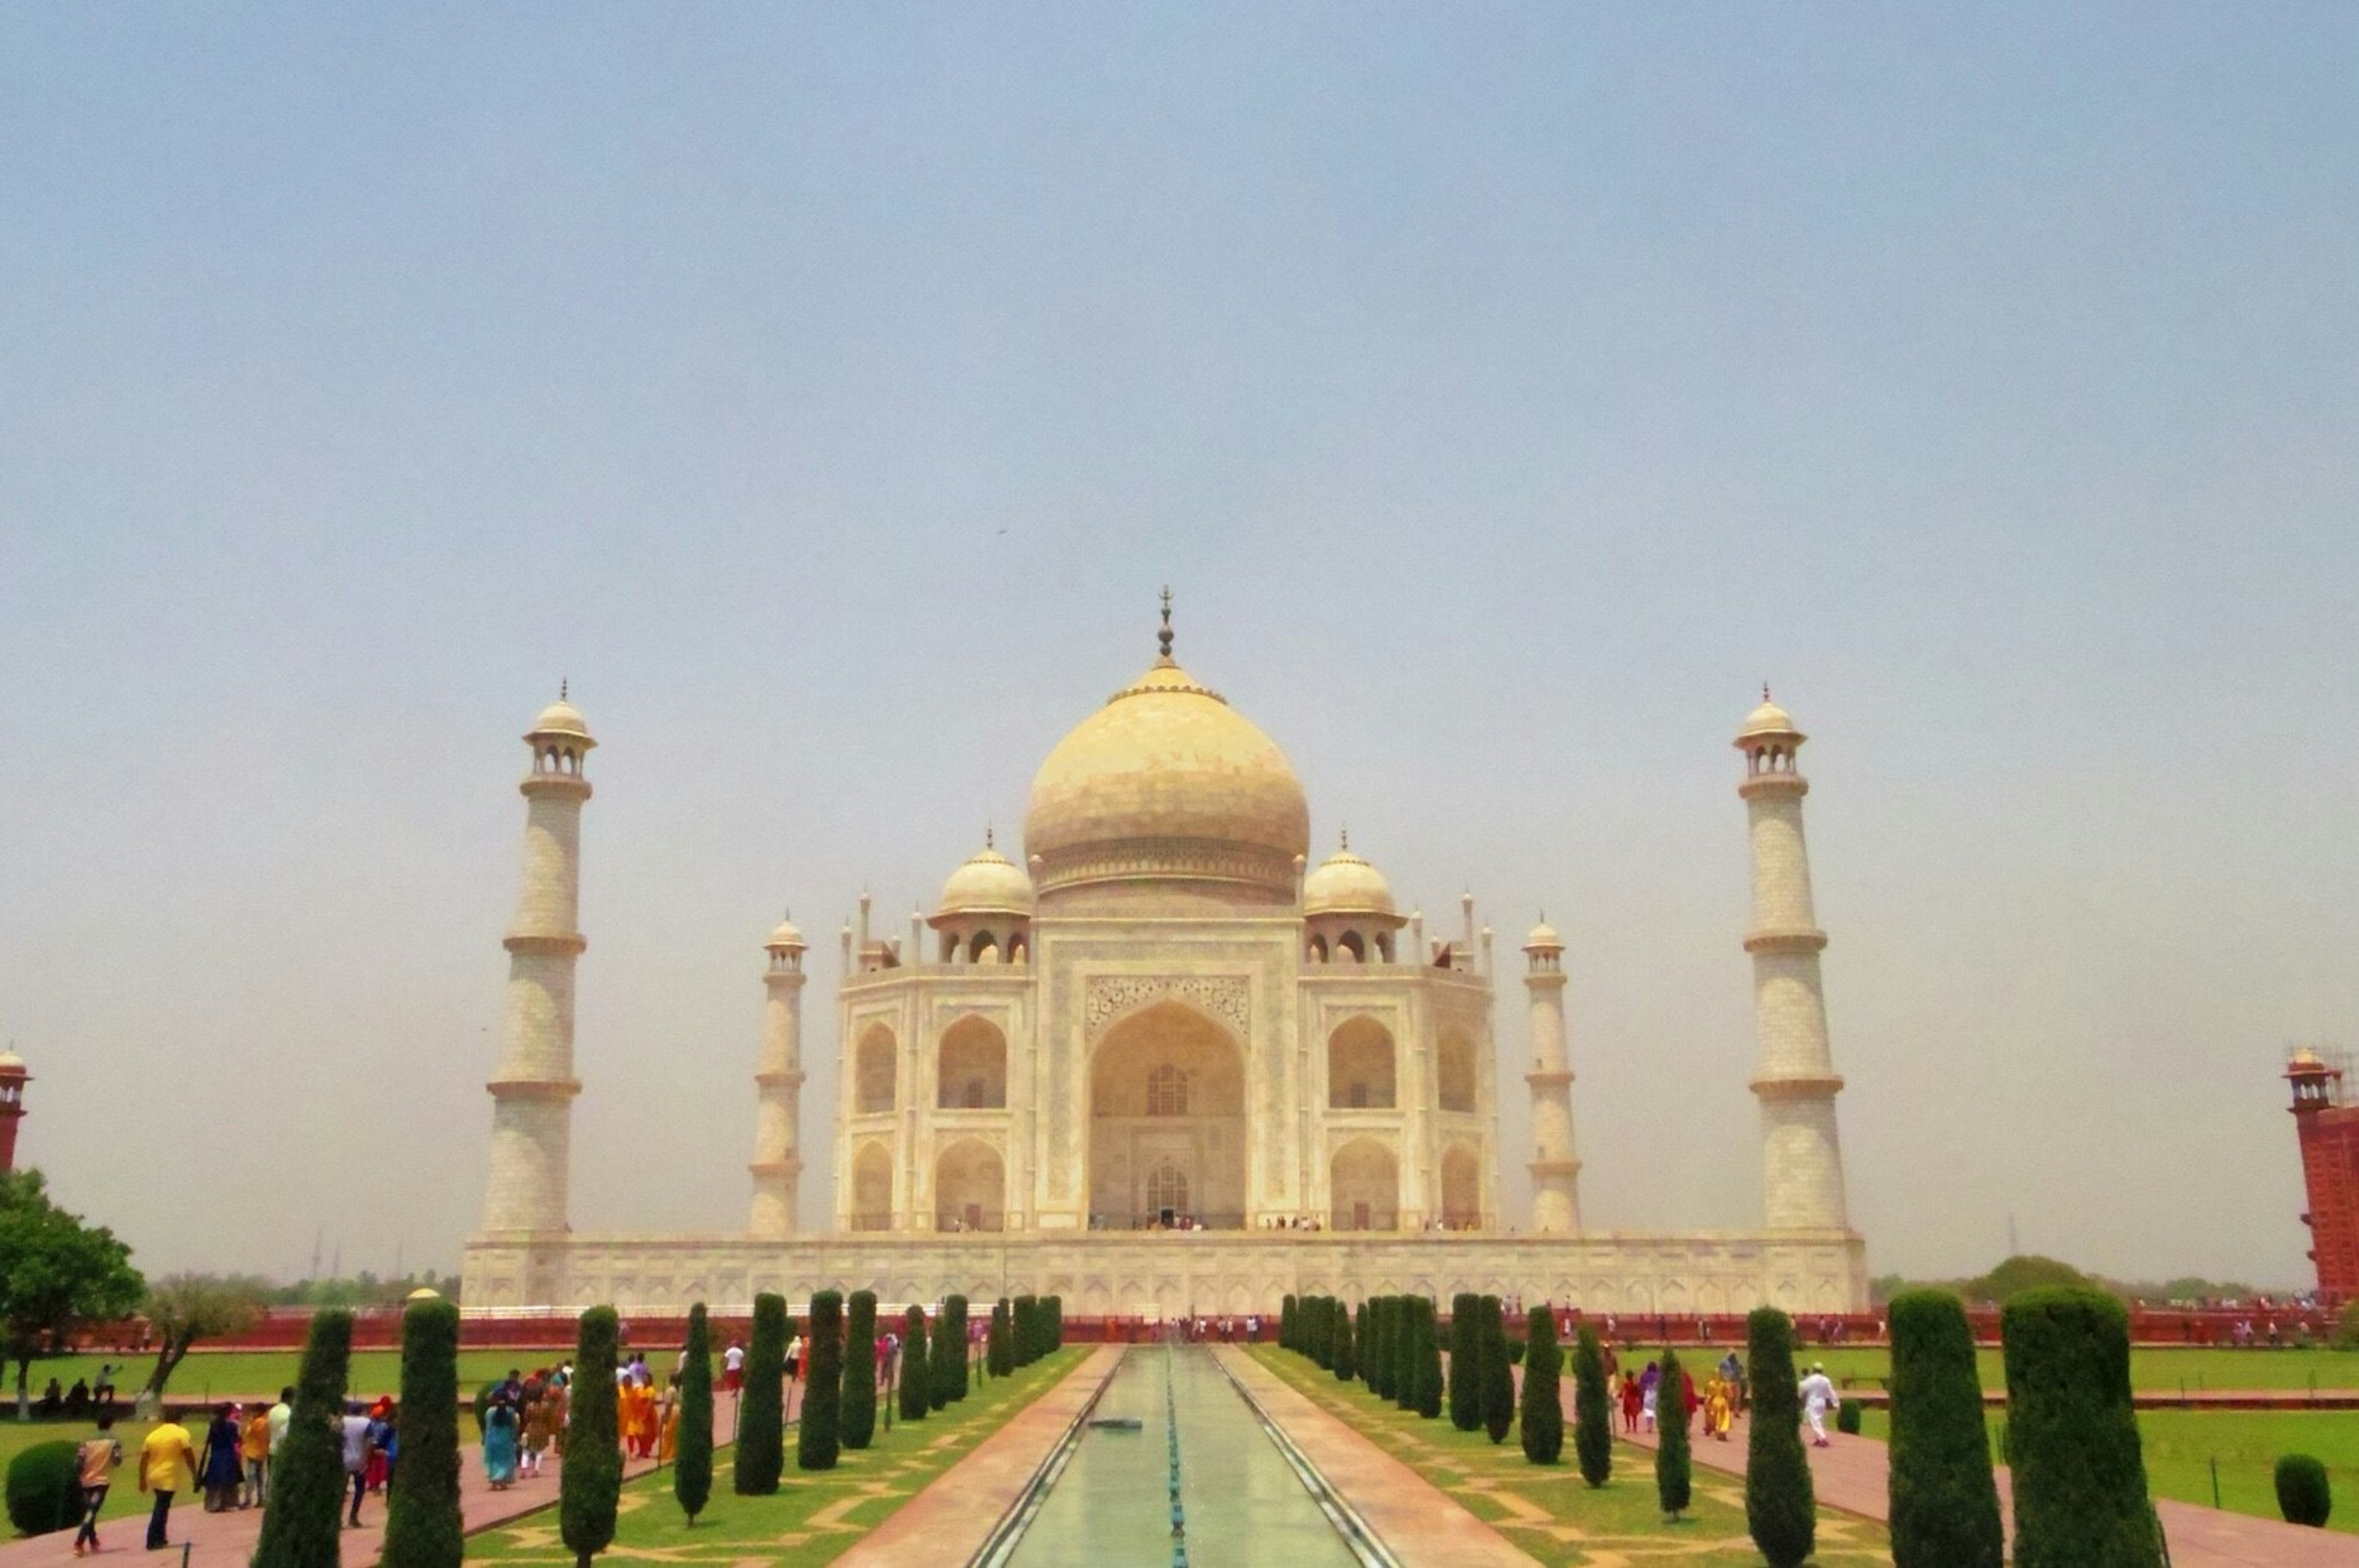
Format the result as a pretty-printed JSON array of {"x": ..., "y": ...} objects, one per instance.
[
  {"x": 952, "y": 1517},
  {"x": 1419, "y": 1521}
]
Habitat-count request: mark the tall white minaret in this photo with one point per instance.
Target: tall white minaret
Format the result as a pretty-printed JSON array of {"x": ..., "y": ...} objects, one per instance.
[
  {"x": 1801, "y": 1159},
  {"x": 1556, "y": 1174},
  {"x": 777, "y": 1126},
  {"x": 533, "y": 1090}
]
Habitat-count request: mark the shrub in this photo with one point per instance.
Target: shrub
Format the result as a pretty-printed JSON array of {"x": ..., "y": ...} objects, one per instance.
[
  {"x": 860, "y": 1370},
  {"x": 1428, "y": 1358},
  {"x": 1780, "y": 1505},
  {"x": 1847, "y": 1417},
  {"x": 1317, "y": 1341},
  {"x": 1347, "y": 1352},
  {"x": 1286, "y": 1337},
  {"x": 423, "y": 1527},
  {"x": 1515, "y": 1351},
  {"x": 1543, "y": 1412},
  {"x": 691, "y": 1475},
  {"x": 1592, "y": 1418},
  {"x": 999, "y": 1349},
  {"x": 45, "y": 1487},
  {"x": 1498, "y": 1382},
  {"x": 1359, "y": 1345},
  {"x": 1376, "y": 1352},
  {"x": 2303, "y": 1495},
  {"x": 761, "y": 1412},
  {"x": 820, "y": 1438},
  {"x": 589, "y": 1482},
  {"x": 1674, "y": 1476},
  {"x": 1405, "y": 1337},
  {"x": 917, "y": 1378},
  {"x": 946, "y": 1358},
  {"x": 1056, "y": 1323},
  {"x": 304, "y": 1515},
  {"x": 1032, "y": 1323},
  {"x": 2079, "y": 1478},
  {"x": 1465, "y": 1393}
]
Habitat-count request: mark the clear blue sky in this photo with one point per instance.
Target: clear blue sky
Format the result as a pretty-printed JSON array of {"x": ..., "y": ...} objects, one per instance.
[{"x": 1505, "y": 391}]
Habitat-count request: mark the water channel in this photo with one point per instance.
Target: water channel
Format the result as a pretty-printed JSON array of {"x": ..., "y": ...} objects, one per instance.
[{"x": 1242, "y": 1499}]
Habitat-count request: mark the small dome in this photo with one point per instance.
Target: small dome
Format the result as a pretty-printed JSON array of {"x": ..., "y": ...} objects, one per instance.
[
  {"x": 1343, "y": 884},
  {"x": 424, "y": 1294},
  {"x": 561, "y": 717},
  {"x": 10, "y": 1062},
  {"x": 786, "y": 935},
  {"x": 990, "y": 883},
  {"x": 1766, "y": 719},
  {"x": 1543, "y": 936}
]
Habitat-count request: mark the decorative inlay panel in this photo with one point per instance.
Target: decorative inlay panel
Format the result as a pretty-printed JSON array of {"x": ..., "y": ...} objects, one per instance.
[{"x": 1225, "y": 997}]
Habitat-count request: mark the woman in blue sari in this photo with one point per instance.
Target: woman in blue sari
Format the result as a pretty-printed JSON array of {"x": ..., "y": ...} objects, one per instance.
[{"x": 500, "y": 1433}]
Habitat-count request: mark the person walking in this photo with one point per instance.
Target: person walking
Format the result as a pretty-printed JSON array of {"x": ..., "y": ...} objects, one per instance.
[
  {"x": 1819, "y": 1397},
  {"x": 254, "y": 1447},
  {"x": 1650, "y": 1388},
  {"x": 501, "y": 1437},
  {"x": 94, "y": 1473},
  {"x": 167, "y": 1466},
  {"x": 1631, "y": 1400},
  {"x": 356, "y": 1456},
  {"x": 384, "y": 1446},
  {"x": 218, "y": 1466},
  {"x": 732, "y": 1368}
]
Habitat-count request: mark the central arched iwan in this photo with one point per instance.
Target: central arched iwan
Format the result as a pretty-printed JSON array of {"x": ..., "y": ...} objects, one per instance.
[{"x": 1167, "y": 1122}]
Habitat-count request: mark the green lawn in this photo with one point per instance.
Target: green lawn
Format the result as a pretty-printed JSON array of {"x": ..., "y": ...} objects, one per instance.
[
  {"x": 813, "y": 1517},
  {"x": 2180, "y": 1446},
  {"x": 1550, "y": 1512},
  {"x": 2152, "y": 1370},
  {"x": 228, "y": 1373},
  {"x": 125, "y": 1497}
]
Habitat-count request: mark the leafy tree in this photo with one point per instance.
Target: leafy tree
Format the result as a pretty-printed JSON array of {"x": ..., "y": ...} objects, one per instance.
[
  {"x": 590, "y": 1483},
  {"x": 691, "y": 1474},
  {"x": 423, "y": 1527},
  {"x": 1428, "y": 1359},
  {"x": 1346, "y": 1356},
  {"x": 820, "y": 1438},
  {"x": 186, "y": 1308},
  {"x": 303, "y": 1516},
  {"x": 762, "y": 1414},
  {"x": 2073, "y": 1438},
  {"x": 2303, "y": 1495},
  {"x": 1674, "y": 1469},
  {"x": 1465, "y": 1363},
  {"x": 55, "y": 1273},
  {"x": 1498, "y": 1382},
  {"x": 860, "y": 1371},
  {"x": 1542, "y": 1416},
  {"x": 1593, "y": 1419},
  {"x": 917, "y": 1378},
  {"x": 1780, "y": 1504},
  {"x": 2021, "y": 1274}
]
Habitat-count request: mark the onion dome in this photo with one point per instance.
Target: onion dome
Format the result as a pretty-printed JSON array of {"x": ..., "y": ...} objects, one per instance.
[
  {"x": 1767, "y": 720},
  {"x": 785, "y": 936},
  {"x": 1343, "y": 884},
  {"x": 561, "y": 718},
  {"x": 990, "y": 883},
  {"x": 1167, "y": 782},
  {"x": 1543, "y": 938}
]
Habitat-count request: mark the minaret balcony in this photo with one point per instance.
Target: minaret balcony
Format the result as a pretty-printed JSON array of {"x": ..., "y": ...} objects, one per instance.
[
  {"x": 1758, "y": 784},
  {"x": 538, "y": 787},
  {"x": 547, "y": 943},
  {"x": 1786, "y": 939},
  {"x": 1818, "y": 1088},
  {"x": 786, "y": 1166},
  {"x": 1543, "y": 1170},
  {"x": 535, "y": 1089},
  {"x": 1550, "y": 1078},
  {"x": 791, "y": 1078}
]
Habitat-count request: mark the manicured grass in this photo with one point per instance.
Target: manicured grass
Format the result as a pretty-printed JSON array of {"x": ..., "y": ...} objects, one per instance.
[
  {"x": 2182, "y": 1445},
  {"x": 813, "y": 1517},
  {"x": 1549, "y": 1513},
  {"x": 2151, "y": 1371},
  {"x": 228, "y": 1374}
]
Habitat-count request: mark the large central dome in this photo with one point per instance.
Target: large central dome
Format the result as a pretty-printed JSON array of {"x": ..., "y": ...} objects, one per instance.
[{"x": 1167, "y": 782}]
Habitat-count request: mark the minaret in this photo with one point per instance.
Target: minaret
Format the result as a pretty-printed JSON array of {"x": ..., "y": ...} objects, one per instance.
[
  {"x": 1802, "y": 1180},
  {"x": 1556, "y": 1174},
  {"x": 13, "y": 1079},
  {"x": 532, "y": 1093},
  {"x": 778, "y": 1127}
]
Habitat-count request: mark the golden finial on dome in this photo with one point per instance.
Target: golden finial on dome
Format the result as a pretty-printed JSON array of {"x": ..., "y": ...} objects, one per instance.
[
  {"x": 561, "y": 683},
  {"x": 1164, "y": 636},
  {"x": 988, "y": 830},
  {"x": 1347, "y": 836}
]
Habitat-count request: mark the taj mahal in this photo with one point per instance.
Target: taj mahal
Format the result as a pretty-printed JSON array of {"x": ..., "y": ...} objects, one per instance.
[{"x": 1167, "y": 1065}]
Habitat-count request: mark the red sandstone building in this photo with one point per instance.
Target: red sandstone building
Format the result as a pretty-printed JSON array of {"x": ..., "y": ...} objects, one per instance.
[{"x": 2330, "y": 1170}]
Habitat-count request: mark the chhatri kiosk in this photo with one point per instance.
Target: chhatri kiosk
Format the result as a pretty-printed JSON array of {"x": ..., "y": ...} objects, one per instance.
[{"x": 1166, "y": 1065}]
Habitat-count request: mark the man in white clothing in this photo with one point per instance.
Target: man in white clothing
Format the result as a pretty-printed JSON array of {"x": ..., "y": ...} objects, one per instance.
[{"x": 1819, "y": 1397}]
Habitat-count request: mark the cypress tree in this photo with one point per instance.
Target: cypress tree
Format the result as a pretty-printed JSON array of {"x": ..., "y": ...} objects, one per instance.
[
  {"x": 422, "y": 1524},
  {"x": 1323, "y": 1326},
  {"x": 1674, "y": 1479},
  {"x": 1780, "y": 1504},
  {"x": 955, "y": 1310},
  {"x": 820, "y": 1438},
  {"x": 1376, "y": 1353},
  {"x": 1000, "y": 1351},
  {"x": 1944, "y": 1502},
  {"x": 1347, "y": 1363},
  {"x": 1027, "y": 1330},
  {"x": 860, "y": 1370},
  {"x": 1542, "y": 1417},
  {"x": 2073, "y": 1438},
  {"x": 1404, "y": 1353},
  {"x": 1465, "y": 1363},
  {"x": 761, "y": 1415},
  {"x": 304, "y": 1514},
  {"x": 917, "y": 1378},
  {"x": 692, "y": 1474},
  {"x": 1285, "y": 1338},
  {"x": 1056, "y": 1323},
  {"x": 1498, "y": 1382},
  {"x": 1592, "y": 1418},
  {"x": 589, "y": 1482},
  {"x": 1361, "y": 1344},
  {"x": 945, "y": 1359},
  {"x": 1428, "y": 1359}
]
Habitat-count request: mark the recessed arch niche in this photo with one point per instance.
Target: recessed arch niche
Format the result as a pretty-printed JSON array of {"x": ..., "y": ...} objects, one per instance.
[{"x": 1167, "y": 1117}]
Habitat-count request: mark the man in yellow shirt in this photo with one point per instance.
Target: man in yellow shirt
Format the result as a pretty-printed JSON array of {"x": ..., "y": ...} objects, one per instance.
[{"x": 167, "y": 1464}]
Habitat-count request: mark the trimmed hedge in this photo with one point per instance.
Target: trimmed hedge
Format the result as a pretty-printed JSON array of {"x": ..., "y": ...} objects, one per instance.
[
  {"x": 691, "y": 1475},
  {"x": 1781, "y": 1506},
  {"x": 999, "y": 1349},
  {"x": 1592, "y": 1418},
  {"x": 762, "y": 1412},
  {"x": 423, "y": 1526},
  {"x": 589, "y": 1482},
  {"x": 1288, "y": 1339},
  {"x": 1674, "y": 1465},
  {"x": 1465, "y": 1392},
  {"x": 1376, "y": 1362},
  {"x": 917, "y": 1377},
  {"x": 1543, "y": 1411},
  {"x": 1428, "y": 1358},
  {"x": 860, "y": 1370},
  {"x": 1944, "y": 1498},
  {"x": 302, "y": 1518},
  {"x": 819, "y": 1438},
  {"x": 2304, "y": 1496},
  {"x": 2080, "y": 1476},
  {"x": 1498, "y": 1382},
  {"x": 45, "y": 1487}
]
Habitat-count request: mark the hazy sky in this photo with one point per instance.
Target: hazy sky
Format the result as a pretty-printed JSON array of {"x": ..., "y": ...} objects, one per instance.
[{"x": 1505, "y": 392}]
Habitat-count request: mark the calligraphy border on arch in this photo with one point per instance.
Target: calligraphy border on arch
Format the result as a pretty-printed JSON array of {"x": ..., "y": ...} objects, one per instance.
[{"x": 1110, "y": 995}]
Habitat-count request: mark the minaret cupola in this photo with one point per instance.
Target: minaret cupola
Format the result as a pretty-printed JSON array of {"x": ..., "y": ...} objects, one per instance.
[
  {"x": 984, "y": 915},
  {"x": 1348, "y": 915}
]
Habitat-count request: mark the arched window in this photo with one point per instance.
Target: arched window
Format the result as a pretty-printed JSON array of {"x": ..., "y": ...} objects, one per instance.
[
  {"x": 985, "y": 950},
  {"x": 1360, "y": 1074},
  {"x": 1167, "y": 1188},
  {"x": 1319, "y": 950},
  {"x": 973, "y": 1060},
  {"x": 873, "y": 1075},
  {"x": 1167, "y": 1092},
  {"x": 1349, "y": 945}
]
